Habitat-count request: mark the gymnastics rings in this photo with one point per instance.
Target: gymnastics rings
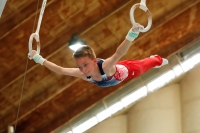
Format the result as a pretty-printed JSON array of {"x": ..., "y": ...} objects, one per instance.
[
  {"x": 141, "y": 5},
  {"x": 36, "y": 34}
]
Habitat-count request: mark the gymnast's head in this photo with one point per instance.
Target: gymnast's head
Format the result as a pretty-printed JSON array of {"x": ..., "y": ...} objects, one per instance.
[
  {"x": 84, "y": 51},
  {"x": 85, "y": 60}
]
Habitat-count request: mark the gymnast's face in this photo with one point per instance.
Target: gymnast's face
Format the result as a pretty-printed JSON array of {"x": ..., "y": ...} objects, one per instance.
[{"x": 86, "y": 65}]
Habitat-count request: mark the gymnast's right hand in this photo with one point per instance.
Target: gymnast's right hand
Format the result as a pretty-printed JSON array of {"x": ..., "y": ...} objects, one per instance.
[
  {"x": 137, "y": 28},
  {"x": 36, "y": 57}
]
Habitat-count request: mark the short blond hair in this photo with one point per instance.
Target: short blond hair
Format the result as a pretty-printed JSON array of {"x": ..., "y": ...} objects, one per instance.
[{"x": 83, "y": 52}]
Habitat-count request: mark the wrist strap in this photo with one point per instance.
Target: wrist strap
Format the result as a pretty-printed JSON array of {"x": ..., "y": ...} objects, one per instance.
[
  {"x": 38, "y": 59},
  {"x": 132, "y": 35}
]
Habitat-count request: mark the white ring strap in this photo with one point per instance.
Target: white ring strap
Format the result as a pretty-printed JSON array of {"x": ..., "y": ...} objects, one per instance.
[
  {"x": 141, "y": 5},
  {"x": 36, "y": 34},
  {"x": 41, "y": 15}
]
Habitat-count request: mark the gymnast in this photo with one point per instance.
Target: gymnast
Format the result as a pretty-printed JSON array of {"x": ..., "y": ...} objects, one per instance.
[{"x": 105, "y": 72}]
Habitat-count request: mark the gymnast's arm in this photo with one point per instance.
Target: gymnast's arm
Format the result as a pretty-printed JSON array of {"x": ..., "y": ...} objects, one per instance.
[
  {"x": 55, "y": 68},
  {"x": 75, "y": 72},
  {"x": 109, "y": 63}
]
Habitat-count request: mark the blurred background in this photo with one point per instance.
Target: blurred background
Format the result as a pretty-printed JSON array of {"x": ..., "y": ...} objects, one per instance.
[{"x": 162, "y": 100}]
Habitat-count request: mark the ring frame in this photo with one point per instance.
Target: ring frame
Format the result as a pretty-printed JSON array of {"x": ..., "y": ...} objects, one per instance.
[
  {"x": 36, "y": 37},
  {"x": 145, "y": 9}
]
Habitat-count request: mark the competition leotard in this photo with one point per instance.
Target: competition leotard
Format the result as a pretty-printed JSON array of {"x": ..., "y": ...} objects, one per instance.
[
  {"x": 120, "y": 74},
  {"x": 126, "y": 69}
]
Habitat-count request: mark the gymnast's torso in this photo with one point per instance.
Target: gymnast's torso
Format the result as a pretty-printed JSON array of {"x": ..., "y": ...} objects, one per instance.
[{"x": 107, "y": 81}]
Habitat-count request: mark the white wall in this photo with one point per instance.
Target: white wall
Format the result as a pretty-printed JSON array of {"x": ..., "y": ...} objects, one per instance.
[
  {"x": 190, "y": 99},
  {"x": 157, "y": 113}
]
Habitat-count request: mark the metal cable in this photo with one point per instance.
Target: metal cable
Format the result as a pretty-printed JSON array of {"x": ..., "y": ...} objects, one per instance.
[{"x": 22, "y": 89}]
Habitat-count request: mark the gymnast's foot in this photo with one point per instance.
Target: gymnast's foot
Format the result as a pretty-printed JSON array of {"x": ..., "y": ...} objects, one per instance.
[{"x": 164, "y": 62}]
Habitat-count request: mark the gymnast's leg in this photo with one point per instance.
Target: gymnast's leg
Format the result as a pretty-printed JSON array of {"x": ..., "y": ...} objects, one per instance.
[{"x": 138, "y": 67}]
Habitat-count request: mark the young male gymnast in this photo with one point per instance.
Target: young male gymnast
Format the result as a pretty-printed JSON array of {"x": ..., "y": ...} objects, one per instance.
[{"x": 108, "y": 72}]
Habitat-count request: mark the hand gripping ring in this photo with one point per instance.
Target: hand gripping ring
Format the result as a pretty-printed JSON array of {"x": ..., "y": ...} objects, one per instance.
[
  {"x": 36, "y": 36},
  {"x": 144, "y": 8}
]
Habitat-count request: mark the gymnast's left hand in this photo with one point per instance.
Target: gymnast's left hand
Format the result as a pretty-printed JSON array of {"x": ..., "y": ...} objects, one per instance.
[{"x": 33, "y": 52}]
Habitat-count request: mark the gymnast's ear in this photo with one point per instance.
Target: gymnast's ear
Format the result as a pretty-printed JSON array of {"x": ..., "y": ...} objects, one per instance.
[{"x": 95, "y": 60}]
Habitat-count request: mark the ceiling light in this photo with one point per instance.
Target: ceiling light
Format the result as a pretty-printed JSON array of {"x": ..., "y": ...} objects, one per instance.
[
  {"x": 191, "y": 62},
  {"x": 161, "y": 81},
  {"x": 136, "y": 95},
  {"x": 178, "y": 70},
  {"x": 103, "y": 115},
  {"x": 75, "y": 42},
  {"x": 86, "y": 125},
  {"x": 115, "y": 107}
]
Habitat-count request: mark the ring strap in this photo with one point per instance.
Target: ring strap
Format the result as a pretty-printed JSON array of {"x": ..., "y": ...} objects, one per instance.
[{"x": 36, "y": 34}]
